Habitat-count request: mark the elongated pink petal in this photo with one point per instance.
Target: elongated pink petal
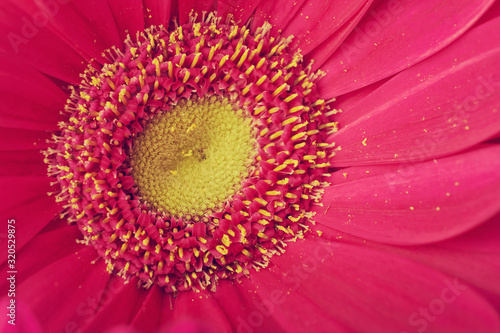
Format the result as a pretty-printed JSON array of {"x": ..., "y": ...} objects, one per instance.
[
  {"x": 316, "y": 20},
  {"x": 445, "y": 104},
  {"x": 36, "y": 45},
  {"x": 200, "y": 309},
  {"x": 27, "y": 203},
  {"x": 236, "y": 301},
  {"x": 417, "y": 204},
  {"x": 189, "y": 327},
  {"x": 324, "y": 50},
  {"x": 492, "y": 13},
  {"x": 278, "y": 13},
  {"x": 19, "y": 318},
  {"x": 389, "y": 293},
  {"x": 115, "y": 304},
  {"x": 128, "y": 16},
  {"x": 240, "y": 10},
  {"x": 45, "y": 249},
  {"x": 266, "y": 304},
  {"x": 157, "y": 12},
  {"x": 21, "y": 139},
  {"x": 149, "y": 317},
  {"x": 393, "y": 36},
  {"x": 474, "y": 257},
  {"x": 73, "y": 281},
  {"x": 24, "y": 163},
  {"x": 88, "y": 27},
  {"x": 349, "y": 100},
  {"x": 27, "y": 98},
  {"x": 121, "y": 329}
]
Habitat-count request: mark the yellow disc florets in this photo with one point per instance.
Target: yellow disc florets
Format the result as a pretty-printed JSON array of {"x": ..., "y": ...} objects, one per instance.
[{"x": 191, "y": 159}]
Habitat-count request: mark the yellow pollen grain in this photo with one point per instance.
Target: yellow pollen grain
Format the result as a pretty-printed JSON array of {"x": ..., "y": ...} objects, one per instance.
[
  {"x": 249, "y": 70},
  {"x": 276, "y": 135},
  {"x": 259, "y": 110},
  {"x": 242, "y": 59},
  {"x": 261, "y": 80},
  {"x": 182, "y": 60},
  {"x": 195, "y": 60},
  {"x": 273, "y": 193},
  {"x": 156, "y": 62},
  {"x": 223, "y": 60},
  {"x": 290, "y": 98},
  {"x": 226, "y": 241},
  {"x": 246, "y": 89},
  {"x": 261, "y": 63},
  {"x": 276, "y": 76},
  {"x": 274, "y": 110},
  {"x": 186, "y": 76},
  {"x": 299, "y": 126},
  {"x": 222, "y": 249},
  {"x": 296, "y": 109},
  {"x": 170, "y": 68}
]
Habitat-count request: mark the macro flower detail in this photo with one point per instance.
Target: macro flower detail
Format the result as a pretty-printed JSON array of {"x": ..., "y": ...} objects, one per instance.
[
  {"x": 194, "y": 154},
  {"x": 250, "y": 166}
]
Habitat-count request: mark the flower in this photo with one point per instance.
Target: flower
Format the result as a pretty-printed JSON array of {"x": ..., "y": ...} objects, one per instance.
[{"x": 405, "y": 236}]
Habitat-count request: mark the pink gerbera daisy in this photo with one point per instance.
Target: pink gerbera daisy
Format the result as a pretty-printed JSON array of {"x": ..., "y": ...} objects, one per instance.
[{"x": 232, "y": 166}]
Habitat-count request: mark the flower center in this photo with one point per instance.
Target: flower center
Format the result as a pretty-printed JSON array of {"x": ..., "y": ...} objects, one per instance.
[
  {"x": 194, "y": 157},
  {"x": 194, "y": 154}
]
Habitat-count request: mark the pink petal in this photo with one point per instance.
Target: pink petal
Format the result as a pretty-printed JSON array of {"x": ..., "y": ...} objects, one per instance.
[
  {"x": 269, "y": 308},
  {"x": 128, "y": 16},
  {"x": 28, "y": 99},
  {"x": 157, "y": 12},
  {"x": 201, "y": 309},
  {"x": 445, "y": 104},
  {"x": 348, "y": 101},
  {"x": 20, "y": 320},
  {"x": 88, "y": 27},
  {"x": 236, "y": 302},
  {"x": 394, "y": 36},
  {"x": 316, "y": 20},
  {"x": 117, "y": 305},
  {"x": 324, "y": 50},
  {"x": 492, "y": 13},
  {"x": 278, "y": 13},
  {"x": 36, "y": 46},
  {"x": 27, "y": 203},
  {"x": 45, "y": 249},
  {"x": 149, "y": 317},
  {"x": 121, "y": 329},
  {"x": 474, "y": 257},
  {"x": 240, "y": 10},
  {"x": 24, "y": 163},
  {"x": 62, "y": 294},
  {"x": 21, "y": 139},
  {"x": 189, "y": 327},
  {"x": 368, "y": 290},
  {"x": 417, "y": 204}
]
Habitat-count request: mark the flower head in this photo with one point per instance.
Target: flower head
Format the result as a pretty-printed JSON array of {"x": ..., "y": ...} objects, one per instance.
[{"x": 193, "y": 154}]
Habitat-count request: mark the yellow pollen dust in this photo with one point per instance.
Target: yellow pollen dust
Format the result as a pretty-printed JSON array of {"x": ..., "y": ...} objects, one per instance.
[{"x": 189, "y": 160}]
